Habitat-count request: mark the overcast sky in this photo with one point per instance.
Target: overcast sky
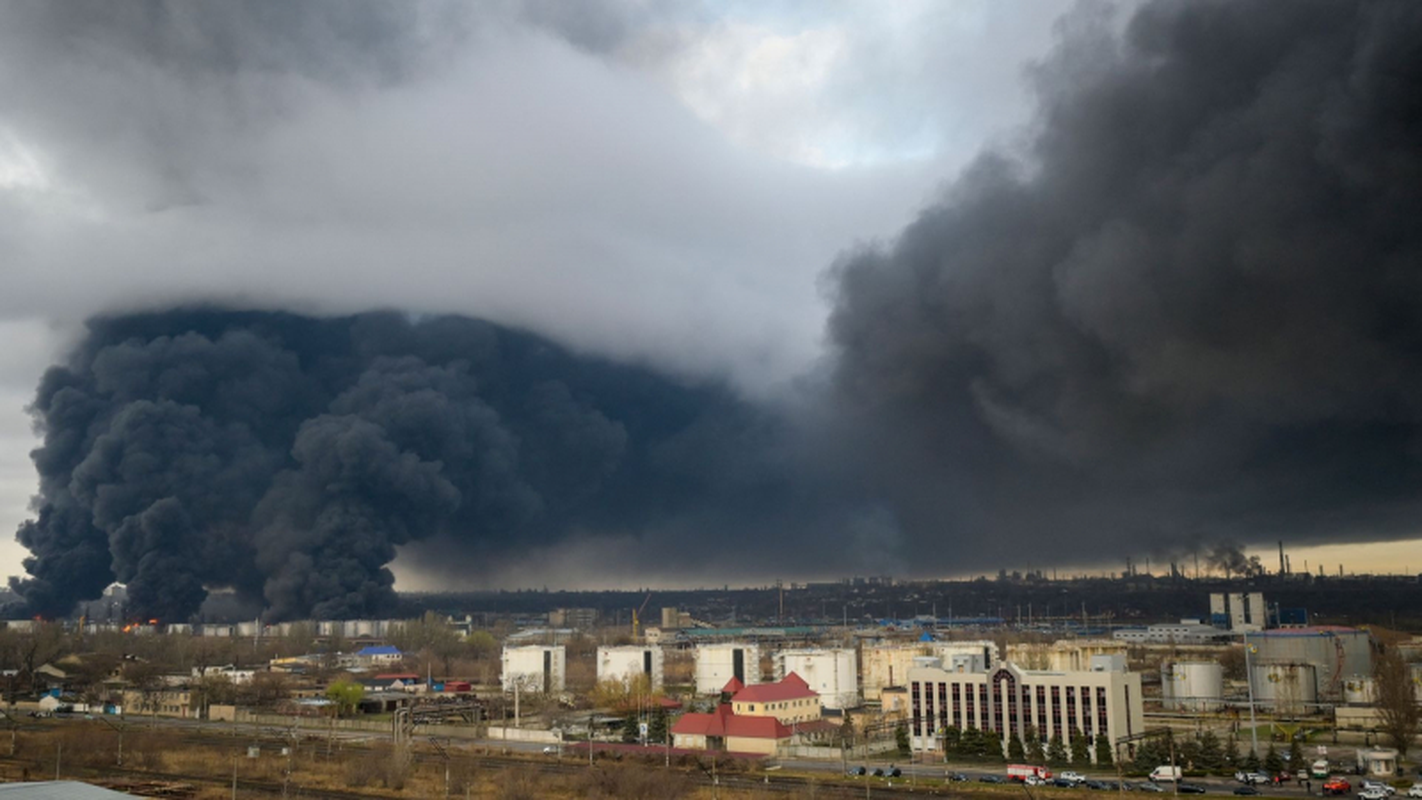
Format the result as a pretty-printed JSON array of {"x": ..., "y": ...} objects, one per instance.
[{"x": 666, "y": 183}]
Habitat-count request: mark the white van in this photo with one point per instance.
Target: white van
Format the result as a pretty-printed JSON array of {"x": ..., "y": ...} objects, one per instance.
[{"x": 1162, "y": 774}]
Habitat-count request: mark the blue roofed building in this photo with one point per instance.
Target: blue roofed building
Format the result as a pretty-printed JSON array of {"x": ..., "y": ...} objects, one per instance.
[{"x": 379, "y": 655}]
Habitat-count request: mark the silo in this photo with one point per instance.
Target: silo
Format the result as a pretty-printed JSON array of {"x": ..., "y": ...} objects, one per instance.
[
  {"x": 1359, "y": 690},
  {"x": 1287, "y": 688},
  {"x": 1196, "y": 685}
]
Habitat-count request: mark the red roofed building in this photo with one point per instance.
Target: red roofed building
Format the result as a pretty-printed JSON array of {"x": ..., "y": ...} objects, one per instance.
[
  {"x": 758, "y": 719},
  {"x": 789, "y": 700}
]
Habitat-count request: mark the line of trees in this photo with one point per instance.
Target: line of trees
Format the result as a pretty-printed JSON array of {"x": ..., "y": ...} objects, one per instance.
[{"x": 971, "y": 744}]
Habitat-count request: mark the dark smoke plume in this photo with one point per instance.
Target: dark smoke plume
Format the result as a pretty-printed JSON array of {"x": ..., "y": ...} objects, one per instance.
[
  {"x": 1190, "y": 310},
  {"x": 1229, "y": 558},
  {"x": 286, "y": 457}
]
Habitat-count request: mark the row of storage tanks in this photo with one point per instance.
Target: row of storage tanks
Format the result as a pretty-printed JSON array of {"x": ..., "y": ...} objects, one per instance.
[
  {"x": 841, "y": 676},
  {"x": 1199, "y": 686},
  {"x": 831, "y": 672},
  {"x": 1291, "y": 671}
]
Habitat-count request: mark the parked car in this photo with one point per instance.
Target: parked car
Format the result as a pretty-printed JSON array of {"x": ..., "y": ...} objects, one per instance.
[
  {"x": 1189, "y": 788},
  {"x": 1074, "y": 777},
  {"x": 1247, "y": 789},
  {"x": 1251, "y": 778},
  {"x": 957, "y": 777},
  {"x": 1337, "y": 786},
  {"x": 895, "y": 772},
  {"x": 1372, "y": 793},
  {"x": 878, "y": 772},
  {"x": 1099, "y": 786},
  {"x": 1415, "y": 791},
  {"x": 1380, "y": 786},
  {"x": 550, "y": 750},
  {"x": 1063, "y": 783},
  {"x": 1033, "y": 780},
  {"x": 1149, "y": 786},
  {"x": 992, "y": 779},
  {"x": 858, "y": 772}
]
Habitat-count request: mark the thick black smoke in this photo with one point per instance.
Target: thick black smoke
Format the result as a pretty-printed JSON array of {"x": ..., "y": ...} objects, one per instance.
[
  {"x": 1190, "y": 311},
  {"x": 286, "y": 457}
]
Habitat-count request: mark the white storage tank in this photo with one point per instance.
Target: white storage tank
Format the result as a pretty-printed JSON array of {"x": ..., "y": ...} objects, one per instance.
[
  {"x": 717, "y": 664},
  {"x": 1287, "y": 688},
  {"x": 1193, "y": 685},
  {"x": 887, "y": 665},
  {"x": 535, "y": 668},
  {"x": 832, "y": 673},
  {"x": 626, "y": 663},
  {"x": 1359, "y": 690}
]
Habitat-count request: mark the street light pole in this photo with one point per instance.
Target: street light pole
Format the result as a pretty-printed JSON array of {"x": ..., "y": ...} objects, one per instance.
[{"x": 1249, "y": 681}]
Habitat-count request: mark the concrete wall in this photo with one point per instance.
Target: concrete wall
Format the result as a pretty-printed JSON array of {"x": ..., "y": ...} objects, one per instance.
[{"x": 502, "y": 733}]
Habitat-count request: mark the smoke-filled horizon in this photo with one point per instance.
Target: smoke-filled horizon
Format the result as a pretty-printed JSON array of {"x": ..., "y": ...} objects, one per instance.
[
  {"x": 286, "y": 457},
  {"x": 1186, "y": 314}
]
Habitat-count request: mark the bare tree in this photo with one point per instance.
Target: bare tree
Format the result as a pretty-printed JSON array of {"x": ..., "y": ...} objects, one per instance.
[{"x": 1397, "y": 706}]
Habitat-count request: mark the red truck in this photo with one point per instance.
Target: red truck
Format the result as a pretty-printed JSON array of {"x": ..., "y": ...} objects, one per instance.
[
  {"x": 1337, "y": 786},
  {"x": 1021, "y": 772}
]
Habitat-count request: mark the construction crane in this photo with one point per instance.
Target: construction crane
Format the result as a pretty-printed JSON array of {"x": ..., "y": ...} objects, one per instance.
[{"x": 637, "y": 617}]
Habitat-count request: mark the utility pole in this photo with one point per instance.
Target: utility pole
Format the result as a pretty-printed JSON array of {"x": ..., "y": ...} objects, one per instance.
[{"x": 1174, "y": 776}]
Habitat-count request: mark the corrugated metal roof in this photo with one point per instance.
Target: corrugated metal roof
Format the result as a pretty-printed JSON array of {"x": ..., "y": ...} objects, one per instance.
[{"x": 56, "y": 790}]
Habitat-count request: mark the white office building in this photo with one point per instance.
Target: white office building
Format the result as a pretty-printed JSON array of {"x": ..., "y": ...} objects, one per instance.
[
  {"x": 1103, "y": 701},
  {"x": 1187, "y": 631}
]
